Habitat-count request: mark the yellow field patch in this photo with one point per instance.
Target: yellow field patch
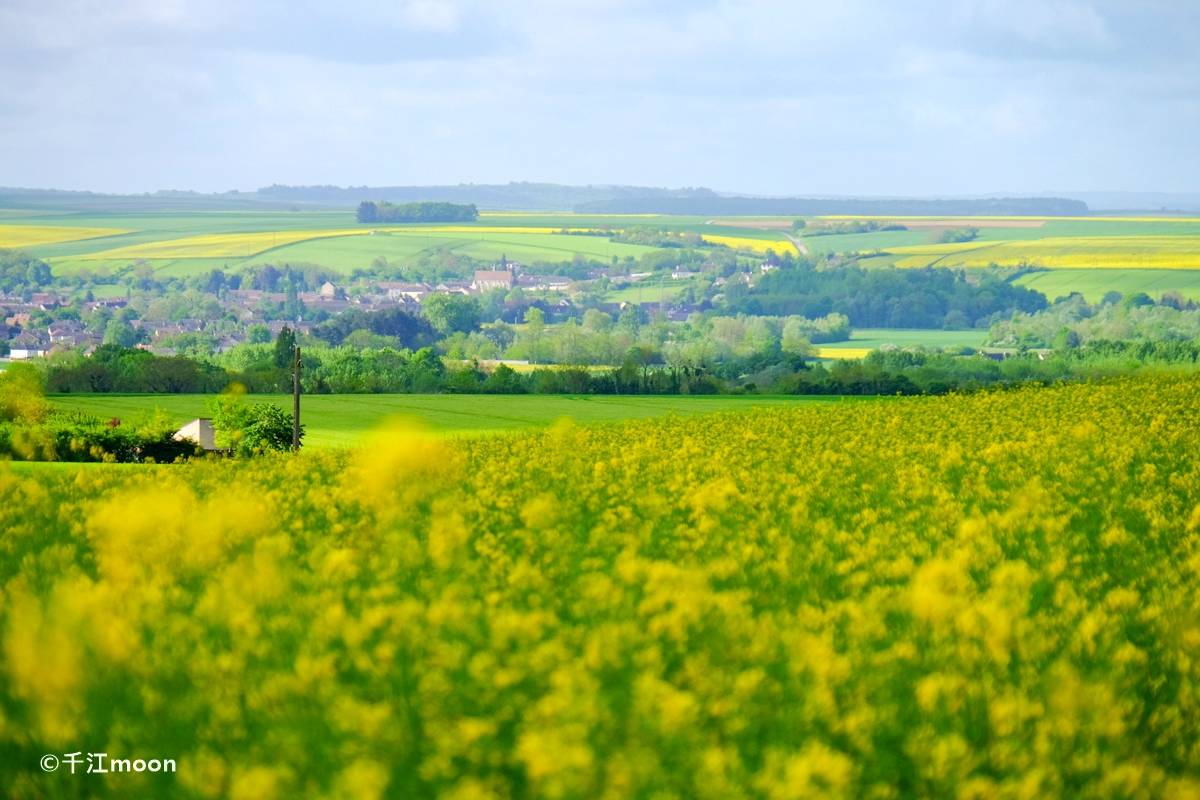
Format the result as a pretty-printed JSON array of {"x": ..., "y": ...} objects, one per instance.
[
  {"x": 747, "y": 243},
  {"x": 17, "y": 236},
  {"x": 1062, "y": 252},
  {"x": 218, "y": 245},
  {"x": 843, "y": 353}
]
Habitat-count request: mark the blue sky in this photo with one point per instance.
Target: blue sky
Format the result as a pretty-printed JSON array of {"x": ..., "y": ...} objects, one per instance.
[{"x": 756, "y": 96}]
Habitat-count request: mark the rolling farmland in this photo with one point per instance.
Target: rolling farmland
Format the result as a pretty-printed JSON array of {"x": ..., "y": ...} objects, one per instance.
[
  {"x": 1138, "y": 253},
  {"x": 189, "y": 243}
]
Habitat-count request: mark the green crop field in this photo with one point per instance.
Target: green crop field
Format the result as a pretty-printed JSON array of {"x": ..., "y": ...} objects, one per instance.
[
  {"x": 1093, "y": 284},
  {"x": 337, "y": 420},
  {"x": 874, "y": 338}
]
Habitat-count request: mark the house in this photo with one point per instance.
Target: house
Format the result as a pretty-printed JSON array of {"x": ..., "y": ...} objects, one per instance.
[
  {"x": 107, "y": 302},
  {"x": 396, "y": 290},
  {"x": 199, "y": 431},
  {"x": 681, "y": 313},
  {"x": 331, "y": 303},
  {"x": 488, "y": 279},
  {"x": 548, "y": 283},
  {"x": 64, "y": 330},
  {"x": 44, "y": 300},
  {"x": 276, "y": 326},
  {"x": 26, "y": 346},
  {"x": 79, "y": 341},
  {"x": 330, "y": 292},
  {"x": 160, "y": 328}
]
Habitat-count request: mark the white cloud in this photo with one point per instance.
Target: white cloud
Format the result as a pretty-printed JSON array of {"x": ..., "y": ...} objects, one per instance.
[{"x": 750, "y": 95}]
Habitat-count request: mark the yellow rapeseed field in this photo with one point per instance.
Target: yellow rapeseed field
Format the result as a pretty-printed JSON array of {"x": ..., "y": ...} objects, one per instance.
[
  {"x": 1062, "y": 252},
  {"x": 994, "y": 595},
  {"x": 217, "y": 245},
  {"x": 748, "y": 243},
  {"x": 846, "y": 353},
  {"x": 18, "y": 236}
]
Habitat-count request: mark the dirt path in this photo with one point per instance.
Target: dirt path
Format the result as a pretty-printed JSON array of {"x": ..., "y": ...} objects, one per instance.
[{"x": 801, "y": 246}]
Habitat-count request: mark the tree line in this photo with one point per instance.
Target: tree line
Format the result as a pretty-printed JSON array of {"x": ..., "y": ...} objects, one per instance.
[{"x": 347, "y": 370}]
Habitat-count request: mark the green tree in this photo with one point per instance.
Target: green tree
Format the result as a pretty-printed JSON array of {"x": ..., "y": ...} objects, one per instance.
[
  {"x": 248, "y": 430},
  {"x": 367, "y": 212},
  {"x": 122, "y": 334},
  {"x": 794, "y": 340},
  {"x": 285, "y": 347},
  {"x": 292, "y": 307},
  {"x": 448, "y": 313},
  {"x": 629, "y": 321},
  {"x": 596, "y": 321},
  {"x": 258, "y": 334}
]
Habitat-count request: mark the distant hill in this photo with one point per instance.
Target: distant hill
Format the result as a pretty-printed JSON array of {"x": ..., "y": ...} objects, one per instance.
[
  {"x": 1139, "y": 201},
  {"x": 494, "y": 197},
  {"x": 535, "y": 197},
  {"x": 800, "y": 206},
  {"x": 96, "y": 202}
]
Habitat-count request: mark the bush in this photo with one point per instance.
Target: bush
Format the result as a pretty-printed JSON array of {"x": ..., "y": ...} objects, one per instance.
[
  {"x": 248, "y": 430},
  {"x": 22, "y": 394}
]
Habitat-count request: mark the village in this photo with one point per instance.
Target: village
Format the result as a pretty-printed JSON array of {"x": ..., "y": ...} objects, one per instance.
[{"x": 39, "y": 323}]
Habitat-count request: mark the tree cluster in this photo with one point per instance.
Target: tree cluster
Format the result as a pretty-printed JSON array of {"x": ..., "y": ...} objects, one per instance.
[
  {"x": 883, "y": 298},
  {"x": 381, "y": 211},
  {"x": 21, "y": 273}
]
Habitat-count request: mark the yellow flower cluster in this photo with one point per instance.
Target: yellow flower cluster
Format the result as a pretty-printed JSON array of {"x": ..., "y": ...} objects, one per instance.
[{"x": 994, "y": 595}]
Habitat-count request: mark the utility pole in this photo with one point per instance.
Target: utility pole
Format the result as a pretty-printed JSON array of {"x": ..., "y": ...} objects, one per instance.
[{"x": 296, "y": 399}]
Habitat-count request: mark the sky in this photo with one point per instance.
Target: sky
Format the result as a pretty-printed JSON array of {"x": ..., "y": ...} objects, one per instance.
[{"x": 854, "y": 97}]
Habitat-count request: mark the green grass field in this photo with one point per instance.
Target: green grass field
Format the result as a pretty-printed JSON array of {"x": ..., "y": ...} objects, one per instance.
[
  {"x": 1093, "y": 284},
  {"x": 340, "y": 420},
  {"x": 874, "y": 338},
  {"x": 648, "y": 293}
]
